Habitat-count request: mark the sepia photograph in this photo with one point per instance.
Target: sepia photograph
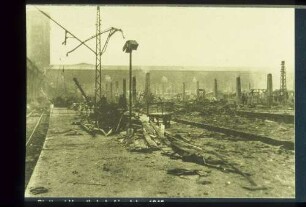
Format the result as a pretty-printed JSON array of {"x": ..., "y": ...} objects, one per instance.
[{"x": 159, "y": 101}]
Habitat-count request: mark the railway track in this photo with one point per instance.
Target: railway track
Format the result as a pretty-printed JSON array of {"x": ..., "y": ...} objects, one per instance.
[
  {"x": 34, "y": 129},
  {"x": 34, "y": 142},
  {"x": 286, "y": 118},
  {"x": 248, "y": 136},
  {"x": 29, "y": 114}
]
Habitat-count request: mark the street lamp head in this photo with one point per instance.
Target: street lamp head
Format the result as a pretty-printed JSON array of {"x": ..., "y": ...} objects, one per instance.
[{"x": 130, "y": 45}]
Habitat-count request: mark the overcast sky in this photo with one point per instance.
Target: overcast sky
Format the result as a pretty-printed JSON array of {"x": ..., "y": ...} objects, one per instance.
[{"x": 182, "y": 36}]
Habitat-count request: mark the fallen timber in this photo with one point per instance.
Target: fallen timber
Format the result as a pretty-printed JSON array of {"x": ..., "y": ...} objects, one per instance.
[
  {"x": 251, "y": 137},
  {"x": 192, "y": 153},
  {"x": 286, "y": 118},
  {"x": 146, "y": 133}
]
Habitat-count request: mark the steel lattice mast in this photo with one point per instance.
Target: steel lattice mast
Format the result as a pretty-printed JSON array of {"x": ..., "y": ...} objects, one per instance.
[
  {"x": 98, "y": 78},
  {"x": 283, "y": 87},
  {"x": 98, "y": 52}
]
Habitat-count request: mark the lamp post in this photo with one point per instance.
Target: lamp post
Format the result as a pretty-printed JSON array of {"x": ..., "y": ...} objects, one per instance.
[{"x": 128, "y": 47}]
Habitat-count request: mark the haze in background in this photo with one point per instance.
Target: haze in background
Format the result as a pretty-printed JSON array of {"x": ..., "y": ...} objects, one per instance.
[{"x": 252, "y": 39}]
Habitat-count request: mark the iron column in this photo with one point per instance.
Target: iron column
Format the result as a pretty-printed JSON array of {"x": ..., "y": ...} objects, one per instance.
[
  {"x": 130, "y": 88},
  {"x": 128, "y": 47}
]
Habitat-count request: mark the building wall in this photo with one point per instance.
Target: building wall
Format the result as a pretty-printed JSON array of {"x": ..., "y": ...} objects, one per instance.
[
  {"x": 34, "y": 81},
  {"x": 38, "y": 38}
]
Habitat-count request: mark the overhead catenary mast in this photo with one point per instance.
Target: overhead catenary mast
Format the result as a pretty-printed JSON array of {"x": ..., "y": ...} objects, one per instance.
[
  {"x": 98, "y": 52},
  {"x": 98, "y": 78},
  {"x": 283, "y": 85}
]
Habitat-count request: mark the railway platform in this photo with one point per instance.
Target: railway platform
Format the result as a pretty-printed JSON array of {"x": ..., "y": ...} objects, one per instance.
[{"x": 74, "y": 164}]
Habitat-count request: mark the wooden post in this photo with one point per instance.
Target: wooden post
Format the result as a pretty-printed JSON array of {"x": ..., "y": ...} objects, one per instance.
[
  {"x": 117, "y": 90},
  {"x": 106, "y": 90},
  {"x": 111, "y": 91},
  {"x": 238, "y": 90},
  {"x": 216, "y": 89},
  {"x": 198, "y": 92},
  {"x": 124, "y": 88},
  {"x": 184, "y": 94},
  {"x": 269, "y": 89},
  {"x": 147, "y": 91}
]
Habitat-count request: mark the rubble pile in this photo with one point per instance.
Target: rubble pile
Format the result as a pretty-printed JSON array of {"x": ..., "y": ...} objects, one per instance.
[
  {"x": 206, "y": 108},
  {"x": 145, "y": 138}
]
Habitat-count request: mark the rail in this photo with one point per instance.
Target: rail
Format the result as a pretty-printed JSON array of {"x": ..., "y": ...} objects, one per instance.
[
  {"x": 38, "y": 122},
  {"x": 251, "y": 137}
]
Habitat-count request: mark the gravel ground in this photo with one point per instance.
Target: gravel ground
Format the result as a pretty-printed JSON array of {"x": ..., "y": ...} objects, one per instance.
[
  {"x": 74, "y": 164},
  {"x": 272, "y": 129}
]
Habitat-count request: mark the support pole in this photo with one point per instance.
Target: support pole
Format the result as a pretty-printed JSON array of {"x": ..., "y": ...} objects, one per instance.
[
  {"x": 283, "y": 83},
  {"x": 147, "y": 91},
  {"x": 111, "y": 91},
  {"x": 216, "y": 89},
  {"x": 98, "y": 59},
  {"x": 198, "y": 92},
  {"x": 117, "y": 90},
  {"x": 269, "y": 89},
  {"x": 134, "y": 90},
  {"x": 130, "y": 93},
  {"x": 106, "y": 91},
  {"x": 124, "y": 88},
  {"x": 238, "y": 90},
  {"x": 184, "y": 94}
]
